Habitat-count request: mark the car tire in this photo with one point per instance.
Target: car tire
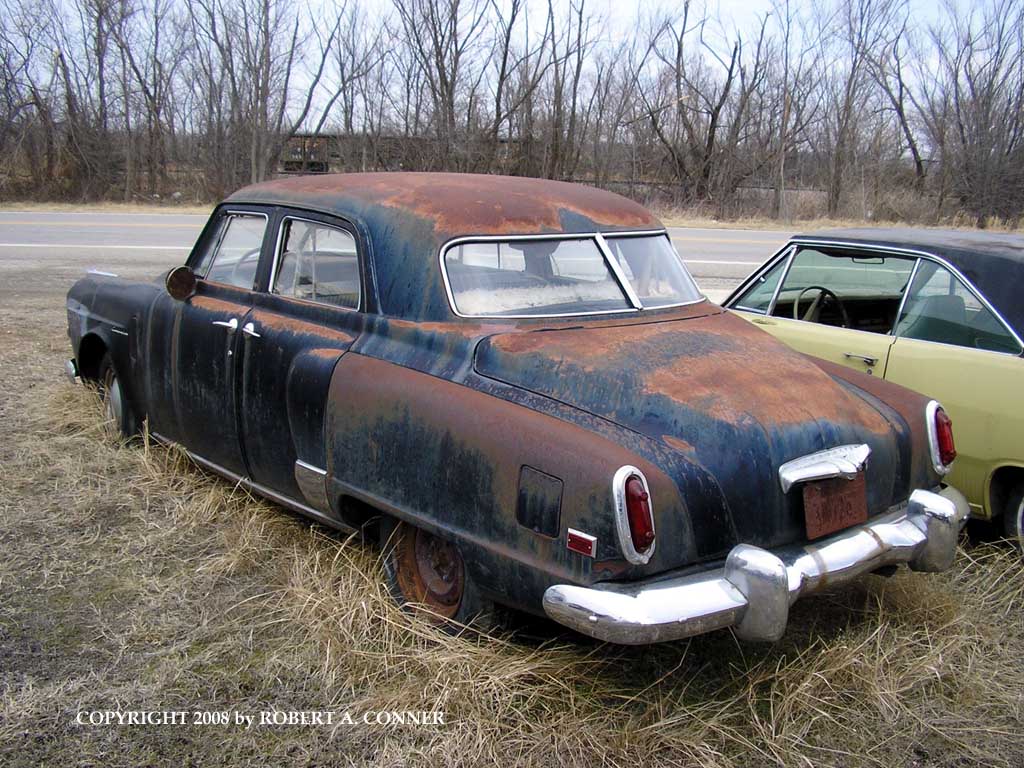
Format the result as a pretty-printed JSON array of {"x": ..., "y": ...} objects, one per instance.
[
  {"x": 426, "y": 573},
  {"x": 1013, "y": 518},
  {"x": 118, "y": 417}
]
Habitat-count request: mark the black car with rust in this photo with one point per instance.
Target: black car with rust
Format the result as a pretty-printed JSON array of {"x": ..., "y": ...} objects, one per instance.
[{"x": 521, "y": 382}]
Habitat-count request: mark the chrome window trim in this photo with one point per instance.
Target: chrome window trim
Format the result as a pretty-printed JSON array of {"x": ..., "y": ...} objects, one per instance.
[
  {"x": 622, "y": 516},
  {"x": 782, "y": 278},
  {"x": 658, "y": 233},
  {"x": 747, "y": 283},
  {"x": 616, "y": 270},
  {"x": 462, "y": 239},
  {"x": 903, "y": 299},
  {"x": 277, "y": 260},
  {"x": 220, "y": 238},
  {"x": 919, "y": 254},
  {"x": 933, "y": 438}
]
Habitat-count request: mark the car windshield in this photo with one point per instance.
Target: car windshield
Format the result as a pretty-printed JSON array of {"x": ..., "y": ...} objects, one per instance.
[{"x": 566, "y": 276}]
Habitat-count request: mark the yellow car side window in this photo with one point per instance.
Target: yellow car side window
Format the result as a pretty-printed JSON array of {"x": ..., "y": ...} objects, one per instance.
[{"x": 942, "y": 309}]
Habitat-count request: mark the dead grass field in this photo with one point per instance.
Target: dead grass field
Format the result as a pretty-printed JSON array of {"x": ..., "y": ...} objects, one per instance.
[{"x": 130, "y": 580}]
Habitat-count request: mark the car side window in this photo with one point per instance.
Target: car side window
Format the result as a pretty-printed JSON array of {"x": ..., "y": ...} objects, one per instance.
[
  {"x": 234, "y": 254},
  {"x": 758, "y": 298},
  {"x": 941, "y": 308},
  {"x": 848, "y": 289},
  {"x": 318, "y": 263}
]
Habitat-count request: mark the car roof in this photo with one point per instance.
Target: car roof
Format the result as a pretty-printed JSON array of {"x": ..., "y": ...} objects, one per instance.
[
  {"x": 459, "y": 203},
  {"x": 408, "y": 216},
  {"x": 992, "y": 261}
]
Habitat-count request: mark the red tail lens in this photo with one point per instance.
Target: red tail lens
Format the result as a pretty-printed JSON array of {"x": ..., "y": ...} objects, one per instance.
[
  {"x": 638, "y": 511},
  {"x": 944, "y": 435}
]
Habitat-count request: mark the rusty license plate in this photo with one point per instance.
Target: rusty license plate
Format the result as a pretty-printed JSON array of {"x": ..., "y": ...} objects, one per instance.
[{"x": 832, "y": 505}]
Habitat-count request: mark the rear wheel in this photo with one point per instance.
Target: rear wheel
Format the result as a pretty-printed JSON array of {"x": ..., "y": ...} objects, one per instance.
[
  {"x": 1013, "y": 517},
  {"x": 118, "y": 417},
  {"x": 426, "y": 571}
]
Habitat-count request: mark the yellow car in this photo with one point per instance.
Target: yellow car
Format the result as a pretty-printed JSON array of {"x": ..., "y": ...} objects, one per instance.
[{"x": 941, "y": 312}]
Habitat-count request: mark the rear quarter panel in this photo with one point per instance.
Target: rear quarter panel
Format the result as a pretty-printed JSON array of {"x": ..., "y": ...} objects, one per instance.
[
  {"x": 447, "y": 457},
  {"x": 982, "y": 392}
]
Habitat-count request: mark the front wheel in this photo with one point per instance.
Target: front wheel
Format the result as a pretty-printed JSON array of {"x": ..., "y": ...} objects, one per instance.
[
  {"x": 118, "y": 418},
  {"x": 423, "y": 570}
]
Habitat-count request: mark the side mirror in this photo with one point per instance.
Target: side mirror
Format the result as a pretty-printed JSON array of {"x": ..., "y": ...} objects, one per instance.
[{"x": 181, "y": 283}]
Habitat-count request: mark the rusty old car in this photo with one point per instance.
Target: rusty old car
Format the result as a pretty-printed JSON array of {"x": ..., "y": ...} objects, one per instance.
[{"x": 521, "y": 383}]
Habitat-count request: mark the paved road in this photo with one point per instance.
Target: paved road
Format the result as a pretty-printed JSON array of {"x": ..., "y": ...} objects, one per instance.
[{"x": 144, "y": 244}]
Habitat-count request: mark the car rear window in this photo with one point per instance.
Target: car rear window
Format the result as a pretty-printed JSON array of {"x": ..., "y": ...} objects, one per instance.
[{"x": 565, "y": 276}]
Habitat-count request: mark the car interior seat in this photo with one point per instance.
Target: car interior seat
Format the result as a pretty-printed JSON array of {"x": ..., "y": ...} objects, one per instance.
[{"x": 936, "y": 318}]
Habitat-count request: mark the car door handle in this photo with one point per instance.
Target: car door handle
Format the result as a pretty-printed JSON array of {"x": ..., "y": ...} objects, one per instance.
[
  {"x": 231, "y": 325},
  {"x": 249, "y": 329},
  {"x": 863, "y": 358}
]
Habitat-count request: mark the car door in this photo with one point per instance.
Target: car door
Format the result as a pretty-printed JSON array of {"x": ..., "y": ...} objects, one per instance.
[
  {"x": 834, "y": 303},
  {"x": 951, "y": 346},
  {"x": 205, "y": 339},
  {"x": 298, "y": 329}
]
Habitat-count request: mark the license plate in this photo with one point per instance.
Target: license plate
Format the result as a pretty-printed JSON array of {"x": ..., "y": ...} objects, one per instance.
[{"x": 832, "y": 505}]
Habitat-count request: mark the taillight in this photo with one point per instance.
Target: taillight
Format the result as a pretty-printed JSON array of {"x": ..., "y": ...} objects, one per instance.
[
  {"x": 944, "y": 434},
  {"x": 940, "y": 438},
  {"x": 638, "y": 510},
  {"x": 634, "y": 515}
]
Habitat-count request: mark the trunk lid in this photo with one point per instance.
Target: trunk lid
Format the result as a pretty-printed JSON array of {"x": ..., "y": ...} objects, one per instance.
[{"x": 721, "y": 393}]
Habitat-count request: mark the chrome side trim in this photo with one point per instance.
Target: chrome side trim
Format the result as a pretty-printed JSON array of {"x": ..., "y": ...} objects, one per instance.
[
  {"x": 933, "y": 438},
  {"x": 842, "y": 461},
  {"x": 312, "y": 481},
  {"x": 622, "y": 516},
  {"x": 753, "y": 590},
  {"x": 260, "y": 490},
  {"x": 100, "y": 272}
]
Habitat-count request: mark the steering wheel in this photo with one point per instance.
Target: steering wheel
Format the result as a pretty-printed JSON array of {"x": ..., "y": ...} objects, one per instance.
[
  {"x": 249, "y": 256},
  {"x": 813, "y": 311}
]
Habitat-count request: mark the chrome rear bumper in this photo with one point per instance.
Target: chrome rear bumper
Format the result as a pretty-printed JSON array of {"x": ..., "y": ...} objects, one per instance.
[{"x": 754, "y": 589}]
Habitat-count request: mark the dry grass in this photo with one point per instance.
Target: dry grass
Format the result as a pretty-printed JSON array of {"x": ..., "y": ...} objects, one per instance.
[{"x": 130, "y": 579}]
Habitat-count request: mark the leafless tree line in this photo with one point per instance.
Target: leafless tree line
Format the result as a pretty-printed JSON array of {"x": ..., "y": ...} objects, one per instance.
[{"x": 884, "y": 114}]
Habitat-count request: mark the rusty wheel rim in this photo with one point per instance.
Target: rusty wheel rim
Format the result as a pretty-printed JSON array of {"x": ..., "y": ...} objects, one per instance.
[{"x": 429, "y": 571}]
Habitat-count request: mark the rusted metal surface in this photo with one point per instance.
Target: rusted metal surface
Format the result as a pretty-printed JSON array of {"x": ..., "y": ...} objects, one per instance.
[
  {"x": 428, "y": 570},
  {"x": 406, "y": 217},
  {"x": 432, "y": 419},
  {"x": 460, "y": 204}
]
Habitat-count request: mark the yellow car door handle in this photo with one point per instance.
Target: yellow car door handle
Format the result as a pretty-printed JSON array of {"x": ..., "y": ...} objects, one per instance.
[
  {"x": 762, "y": 321},
  {"x": 864, "y": 358}
]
